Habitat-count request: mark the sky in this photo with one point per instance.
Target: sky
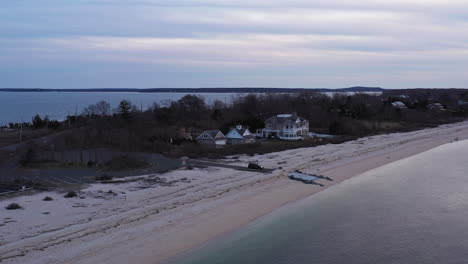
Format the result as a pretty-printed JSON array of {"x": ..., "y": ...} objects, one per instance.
[{"x": 233, "y": 43}]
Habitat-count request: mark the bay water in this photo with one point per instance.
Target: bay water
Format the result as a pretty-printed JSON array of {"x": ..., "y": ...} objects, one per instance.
[
  {"x": 23, "y": 106},
  {"x": 411, "y": 211}
]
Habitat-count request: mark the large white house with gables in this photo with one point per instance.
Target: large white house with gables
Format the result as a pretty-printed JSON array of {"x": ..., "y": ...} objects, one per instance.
[
  {"x": 239, "y": 135},
  {"x": 285, "y": 127}
]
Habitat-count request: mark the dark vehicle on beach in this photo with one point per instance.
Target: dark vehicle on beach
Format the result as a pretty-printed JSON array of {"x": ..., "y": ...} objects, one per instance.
[{"x": 255, "y": 166}]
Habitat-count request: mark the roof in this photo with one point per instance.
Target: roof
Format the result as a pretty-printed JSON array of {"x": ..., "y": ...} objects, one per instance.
[
  {"x": 284, "y": 118},
  {"x": 399, "y": 104},
  {"x": 241, "y": 132},
  {"x": 211, "y": 133},
  {"x": 437, "y": 106}
]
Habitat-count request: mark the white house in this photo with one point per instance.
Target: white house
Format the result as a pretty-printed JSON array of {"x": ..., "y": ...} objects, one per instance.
[
  {"x": 212, "y": 137},
  {"x": 436, "y": 107},
  {"x": 285, "y": 127},
  {"x": 239, "y": 135},
  {"x": 399, "y": 104}
]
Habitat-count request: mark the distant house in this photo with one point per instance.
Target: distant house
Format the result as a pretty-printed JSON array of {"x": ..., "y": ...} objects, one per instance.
[
  {"x": 239, "y": 135},
  {"x": 285, "y": 127},
  {"x": 436, "y": 107},
  {"x": 462, "y": 102},
  {"x": 212, "y": 137},
  {"x": 399, "y": 105}
]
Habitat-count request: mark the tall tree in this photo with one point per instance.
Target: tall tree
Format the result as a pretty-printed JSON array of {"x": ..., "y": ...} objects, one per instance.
[{"x": 125, "y": 108}]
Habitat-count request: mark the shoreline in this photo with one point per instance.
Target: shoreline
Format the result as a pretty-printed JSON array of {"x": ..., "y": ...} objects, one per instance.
[
  {"x": 155, "y": 224},
  {"x": 383, "y": 210}
]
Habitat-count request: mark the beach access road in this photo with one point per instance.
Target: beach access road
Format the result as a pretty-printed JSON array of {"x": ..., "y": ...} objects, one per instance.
[{"x": 204, "y": 163}]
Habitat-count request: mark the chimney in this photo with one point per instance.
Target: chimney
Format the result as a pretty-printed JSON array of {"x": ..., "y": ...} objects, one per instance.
[{"x": 239, "y": 127}]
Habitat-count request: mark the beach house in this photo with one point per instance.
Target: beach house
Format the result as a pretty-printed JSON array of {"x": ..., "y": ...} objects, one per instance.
[
  {"x": 436, "y": 107},
  {"x": 399, "y": 105},
  {"x": 285, "y": 127},
  {"x": 239, "y": 135},
  {"x": 212, "y": 137}
]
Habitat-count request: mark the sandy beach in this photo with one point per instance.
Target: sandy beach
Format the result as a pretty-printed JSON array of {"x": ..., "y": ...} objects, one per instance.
[{"x": 144, "y": 221}]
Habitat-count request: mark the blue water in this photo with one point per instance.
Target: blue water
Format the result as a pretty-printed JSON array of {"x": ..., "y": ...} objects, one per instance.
[
  {"x": 411, "y": 211},
  {"x": 17, "y": 106}
]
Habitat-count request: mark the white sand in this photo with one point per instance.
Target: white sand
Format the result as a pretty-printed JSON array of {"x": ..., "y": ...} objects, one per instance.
[{"x": 151, "y": 224}]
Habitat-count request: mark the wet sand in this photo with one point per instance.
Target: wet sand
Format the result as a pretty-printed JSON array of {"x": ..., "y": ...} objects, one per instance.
[{"x": 410, "y": 211}]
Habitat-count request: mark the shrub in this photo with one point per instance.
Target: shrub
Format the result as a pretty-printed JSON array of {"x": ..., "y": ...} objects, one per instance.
[
  {"x": 70, "y": 194},
  {"x": 103, "y": 177},
  {"x": 125, "y": 162},
  {"x": 13, "y": 206},
  {"x": 27, "y": 157},
  {"x": 47, "y": 198}
]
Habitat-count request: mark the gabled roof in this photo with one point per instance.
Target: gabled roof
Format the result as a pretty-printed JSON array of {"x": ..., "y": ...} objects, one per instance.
[
  {"x": 241, "y": 133},
  {"x": 212, "y": 134}
]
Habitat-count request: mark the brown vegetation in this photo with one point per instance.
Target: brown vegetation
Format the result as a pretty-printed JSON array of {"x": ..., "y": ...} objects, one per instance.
[
  {"x": 13, "y": 206},
  {"x": 172, "y": 128},
  {"x": 70, "y": 194}
]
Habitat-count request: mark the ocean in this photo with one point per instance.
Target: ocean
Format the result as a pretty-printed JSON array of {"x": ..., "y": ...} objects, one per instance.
[
  {"x": 411, "y": 211},
  {"x": 22, "y": 106}
]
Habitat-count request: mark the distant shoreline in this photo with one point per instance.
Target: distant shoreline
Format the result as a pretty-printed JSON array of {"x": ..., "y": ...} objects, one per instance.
[
  {"x": 201, "y": 90},
  {"x": 354, "y": 89}
]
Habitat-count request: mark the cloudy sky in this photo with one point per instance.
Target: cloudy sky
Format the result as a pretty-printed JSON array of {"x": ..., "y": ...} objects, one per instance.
[{"x": 232, "y": 43}]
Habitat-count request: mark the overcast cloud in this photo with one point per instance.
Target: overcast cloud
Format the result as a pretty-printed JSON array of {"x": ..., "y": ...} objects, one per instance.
[{"x": 208, "y": 43}]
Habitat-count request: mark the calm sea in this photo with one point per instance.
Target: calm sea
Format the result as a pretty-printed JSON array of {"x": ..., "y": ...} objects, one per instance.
[
  {"x": 411, "y": 211},
  {"x": 17, "y": 106}
]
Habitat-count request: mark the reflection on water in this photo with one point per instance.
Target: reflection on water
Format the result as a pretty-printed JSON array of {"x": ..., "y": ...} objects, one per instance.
[{"x": 411, "y": 211}]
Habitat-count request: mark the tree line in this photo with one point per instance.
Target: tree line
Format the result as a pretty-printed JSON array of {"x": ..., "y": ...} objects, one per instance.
[{"x": 170, "y": 128}]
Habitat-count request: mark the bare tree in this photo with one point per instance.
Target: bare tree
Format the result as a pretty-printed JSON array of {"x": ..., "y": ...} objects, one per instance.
[{"x": 101, "y": 108}]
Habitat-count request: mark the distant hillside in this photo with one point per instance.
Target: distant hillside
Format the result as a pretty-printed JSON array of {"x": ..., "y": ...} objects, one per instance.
[{"x": 201, "y": 90}]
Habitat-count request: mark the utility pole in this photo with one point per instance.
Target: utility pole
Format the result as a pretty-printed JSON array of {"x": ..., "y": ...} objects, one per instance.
[{"x": 21, "y": 131}]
